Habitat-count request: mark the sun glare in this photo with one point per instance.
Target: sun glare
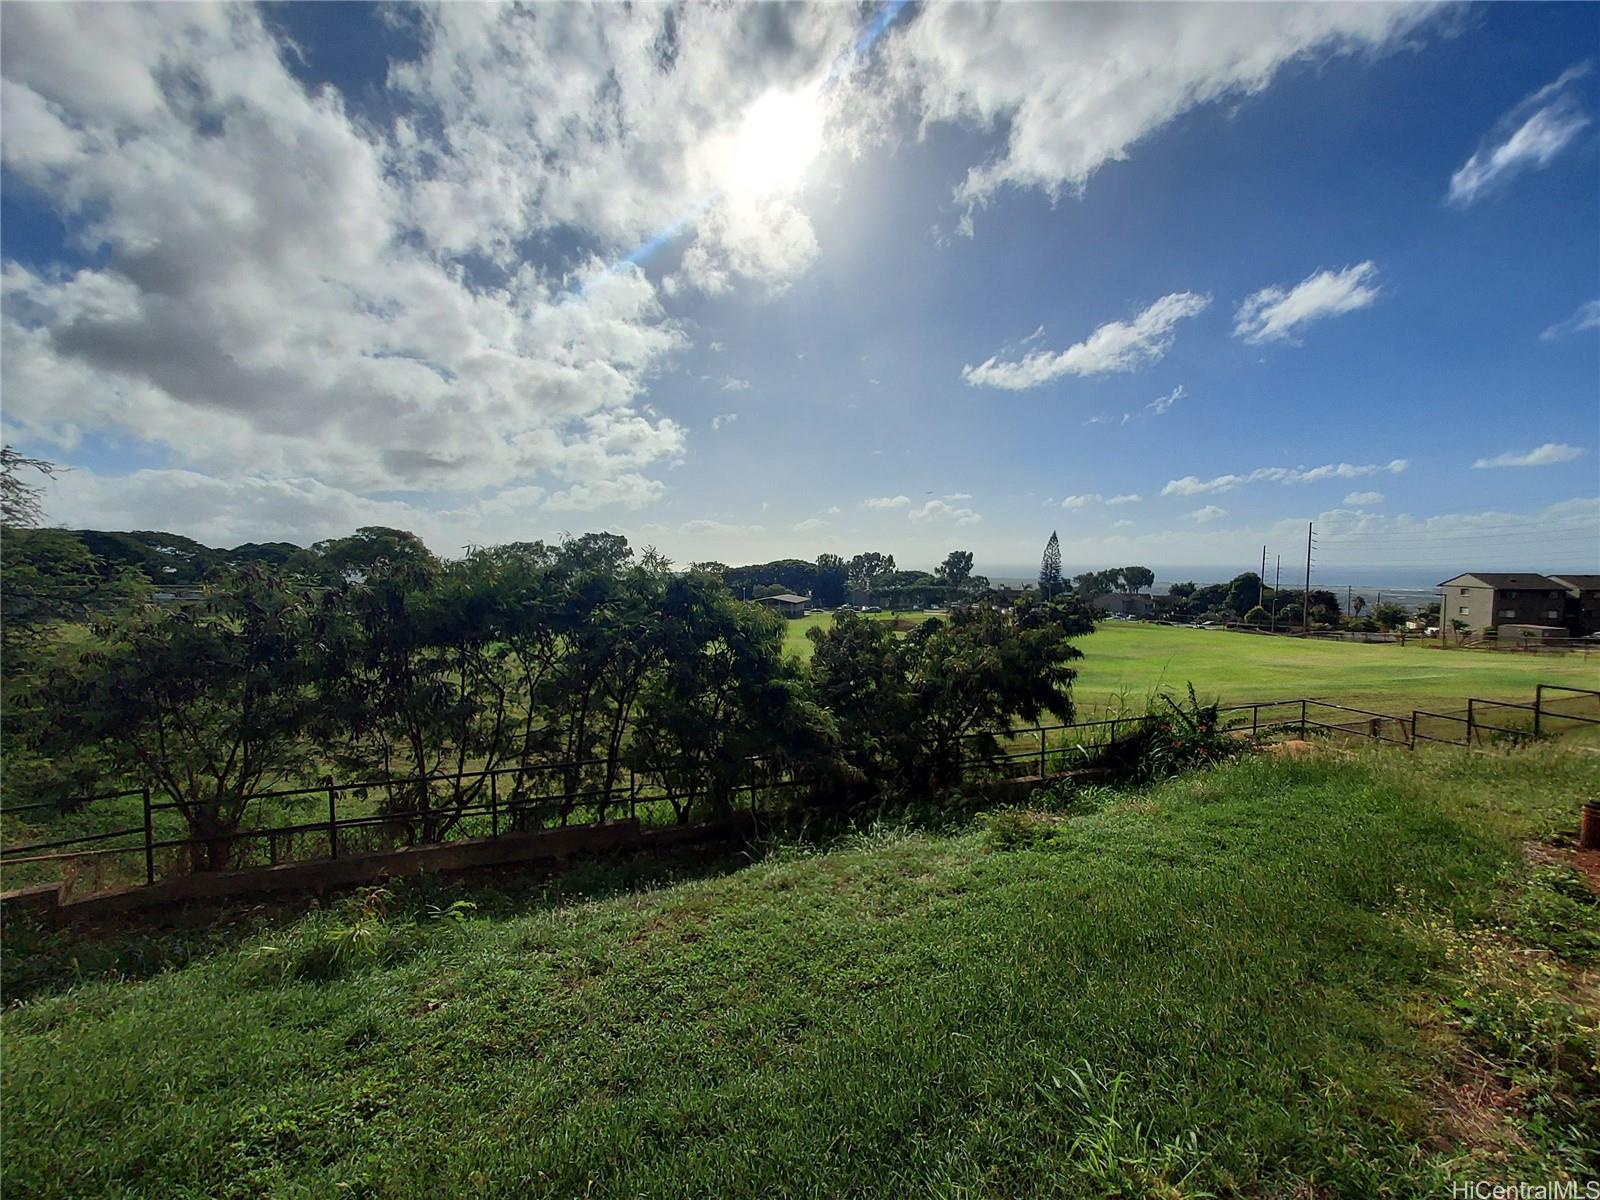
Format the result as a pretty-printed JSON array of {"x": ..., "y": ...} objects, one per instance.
[{"x": 779, "y": 138}]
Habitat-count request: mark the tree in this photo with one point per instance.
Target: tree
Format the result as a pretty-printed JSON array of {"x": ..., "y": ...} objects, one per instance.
[
  {"x": 351, "y": 558},
  {"x": 1244, "y": 592},
  {"x": 910, "y": 710},
  {"x": 832, "y": 575},
  {"x": 22, "y": 498},
  {"x": 1256, "y": 616},
  {"x": 956, "y": 568},
  {"x": 1050, "y": 567},
  {"x": 1357, "y": 604},
  {"x": 1138, "y": 578},
  {"x": 1090, "y": 584},
  {"x": 726, "y": 708},
  {"x": 47, "y": 576},
  {"x": 865, "y": 570},
  {"x": 763, "y": 590},
  {"x": 208, "y": 705},
  {"x": 1389, "y": 615}
]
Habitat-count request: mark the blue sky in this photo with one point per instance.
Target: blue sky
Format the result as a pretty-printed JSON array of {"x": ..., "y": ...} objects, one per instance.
[{"x": 1171, "y": 281}]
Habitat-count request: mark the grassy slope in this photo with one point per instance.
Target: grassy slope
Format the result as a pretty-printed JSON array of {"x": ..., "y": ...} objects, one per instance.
[
  {"x": 1129, "y": 659},
  {"x": 1206, "y": 986}
]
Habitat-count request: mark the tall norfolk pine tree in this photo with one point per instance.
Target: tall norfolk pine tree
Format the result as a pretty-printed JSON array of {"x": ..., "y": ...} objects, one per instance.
[{"x": 1050, "y": 567}]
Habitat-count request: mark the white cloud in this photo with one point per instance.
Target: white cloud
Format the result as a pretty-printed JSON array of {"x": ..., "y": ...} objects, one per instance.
[
  {"x": 284, "y": 285},
  {"x": 959, "y": 496},
  {"x": 1122, "y": 524},
  {"x": 1208, "y": 514},
  {"x": 1192, "y": 485},
  {"x": 1273, "y": 314},
  {"x": 621, "y": 491},
  {"x": 710, "y": 528},
  {"x": 938, "y": 510},
  {"x": 887, "y": 502},
  {"x": 1076, "y": 86},
  {"x": 1587, "y": 317},
  {"x": 1528, "y": 137},
  {"x": 1540, "y": 456},
  {"x": 1161, "y": 405},
  {"x": 1082, "y": 501},
  {"x": 1364, "y": 499},
  {"x": 730, "y": 384},
  {"x": 809, "y": 525},
  {"x": 1125, "y": 498},
  {"x": 1115, "y": 346},
  {"x": 723, "y": 419}
]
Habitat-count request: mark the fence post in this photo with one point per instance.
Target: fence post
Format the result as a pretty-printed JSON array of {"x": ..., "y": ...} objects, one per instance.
[
  {"x": 1041, "y": 754},
  {"x": 1469, "y": 720},
  {"x": 1255, "y": 720},
  {"x": 149, "y": 842},
  {"x": 1413, "y": 729},
  {"x": 333, "y": 823},
  {"x": 494, "y": 805},
  {"x": 1302, "y": 720},
  {"x": 1538, "y": 707}
]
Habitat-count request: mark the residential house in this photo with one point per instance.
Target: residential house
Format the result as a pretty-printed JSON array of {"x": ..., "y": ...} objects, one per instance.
[
  {"x": 786, "y": 604},
  {"x": 1485, "y": 600},
  {"x": 1583, "y": 603}
]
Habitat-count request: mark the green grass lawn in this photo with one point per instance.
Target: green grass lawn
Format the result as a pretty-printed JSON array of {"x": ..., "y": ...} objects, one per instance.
[
  {"x": 1273, "y": 979},
  {"x": 1124, "y": 661}
]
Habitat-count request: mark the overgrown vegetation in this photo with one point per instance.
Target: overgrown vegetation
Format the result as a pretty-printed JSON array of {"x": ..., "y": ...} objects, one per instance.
[
  {"x": 1336, "y": 976},
  {"x": 550, "y": 677}
]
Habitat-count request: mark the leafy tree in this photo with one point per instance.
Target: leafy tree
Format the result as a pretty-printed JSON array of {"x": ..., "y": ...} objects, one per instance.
[
  {"x": 1181, "y": 590},
  {"x": 206, "y": 704},
  {"x": 911, "y": 710},
  {"x": 956, "y": 568},
  {"x": 1090, "y": 584},
  {"x": 1256, "y": 616},
  {"x": 1136, "y": 579},
  {"x": 365, "y": 550},
  {"x": 47, "y": 576},
  {"x": 866, "y": 570},
  {"x": 1050, "y": 567},
  {"x": 1245, "y": 591},
  {"x": 1357, "y": 604},
  {"x": 1389, "y": 615},
  {"x": 832, "y": 577},
  {"x": 726, "y": 708},
  {"x": 21, "y": 495}
]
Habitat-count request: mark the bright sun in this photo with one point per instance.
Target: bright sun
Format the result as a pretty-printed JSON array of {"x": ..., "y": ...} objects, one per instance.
[{"x": 780, "y": 136}]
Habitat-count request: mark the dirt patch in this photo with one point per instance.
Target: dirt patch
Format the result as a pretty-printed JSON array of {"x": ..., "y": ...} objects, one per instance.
[
  {"x": 1472, "y": 1104},
  {"x": 1584, "y": 862}
]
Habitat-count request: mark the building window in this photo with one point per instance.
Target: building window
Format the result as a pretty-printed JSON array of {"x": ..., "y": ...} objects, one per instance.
[
  {"x": 1464, "y": 591},
  {"x": 1464, "y": 610},
  {"x": 1552, "y": 613},
  {"x": 1508, "y": 612}
]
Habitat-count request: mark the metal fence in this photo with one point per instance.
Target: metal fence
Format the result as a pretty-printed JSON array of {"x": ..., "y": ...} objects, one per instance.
[{"x": 333, "y": 819}]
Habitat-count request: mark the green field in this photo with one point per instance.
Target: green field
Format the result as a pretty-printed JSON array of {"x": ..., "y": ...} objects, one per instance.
[
  {"x": 1278, "y": 978},
  {"x": 1124, "y": 661}
]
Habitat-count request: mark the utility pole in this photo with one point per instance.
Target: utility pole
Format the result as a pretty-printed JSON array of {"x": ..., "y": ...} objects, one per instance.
[
  {"x": 1305, "y": 598},
  {"x": 1261, "y": 592},
  {"x": 1277, "y": 580}
]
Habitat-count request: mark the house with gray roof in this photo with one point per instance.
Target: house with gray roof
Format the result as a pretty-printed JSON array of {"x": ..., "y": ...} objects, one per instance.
[{"x": 1485, "y": 600}]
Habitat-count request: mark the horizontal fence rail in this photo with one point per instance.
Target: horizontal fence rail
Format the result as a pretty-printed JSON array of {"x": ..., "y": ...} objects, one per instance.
[{"x": 333, "y": 818}]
